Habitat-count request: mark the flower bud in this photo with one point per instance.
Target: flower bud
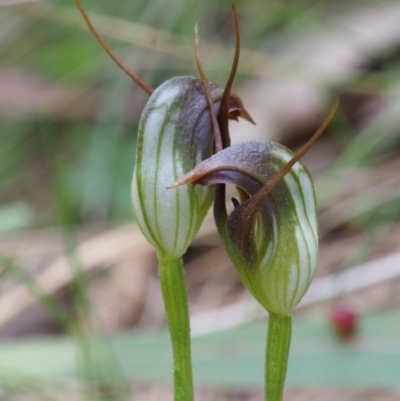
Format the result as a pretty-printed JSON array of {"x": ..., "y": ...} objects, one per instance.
[
  {"x": 272, "y": 241},
  {"x": 175, "y": 133}
]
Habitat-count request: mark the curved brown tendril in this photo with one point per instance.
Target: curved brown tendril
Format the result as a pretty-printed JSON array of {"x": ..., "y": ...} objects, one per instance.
[
  {"x": 266, "y": 189},
  {"x": 224, "y": 109},
  {"x": 217, "y": 132},
  {"x": 104, "y": 45}
]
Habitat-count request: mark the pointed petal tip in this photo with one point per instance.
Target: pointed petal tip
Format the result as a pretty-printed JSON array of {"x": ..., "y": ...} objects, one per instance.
[
  {"x": 246, "y": 116},
  {"x": 175, "y": 185},
  {"x": 240, "y": 109},
  {"x": 183, "y": 181}
]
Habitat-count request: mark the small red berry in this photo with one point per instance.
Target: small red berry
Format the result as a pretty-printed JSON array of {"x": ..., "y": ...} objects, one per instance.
[{"x": 343, "y": 320}]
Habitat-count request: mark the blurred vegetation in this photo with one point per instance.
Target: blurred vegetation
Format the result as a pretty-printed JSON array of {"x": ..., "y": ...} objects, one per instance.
[
  {"x": 70, "y": 161},
  {"x": 68, "y": 115}
]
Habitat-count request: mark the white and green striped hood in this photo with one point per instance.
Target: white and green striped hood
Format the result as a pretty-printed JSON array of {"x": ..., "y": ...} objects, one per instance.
[
  {"x": 275, "y": 246},
  {"x": 175, "y": 133}
]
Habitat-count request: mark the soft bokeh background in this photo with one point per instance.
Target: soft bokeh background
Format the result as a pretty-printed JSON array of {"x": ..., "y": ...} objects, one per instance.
[{"x": 81, "y": 315}]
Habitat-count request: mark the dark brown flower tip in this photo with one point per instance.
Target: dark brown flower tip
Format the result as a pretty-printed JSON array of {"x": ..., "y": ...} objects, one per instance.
[{"x": 237, "y": 110}]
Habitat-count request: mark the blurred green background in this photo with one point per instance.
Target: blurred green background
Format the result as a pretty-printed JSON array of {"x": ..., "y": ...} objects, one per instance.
[
  {"x": 69, "y": 115},
  {"x": 68, "y": 123}
]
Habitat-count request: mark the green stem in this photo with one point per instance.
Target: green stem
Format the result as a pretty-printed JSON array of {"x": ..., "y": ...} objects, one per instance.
[
  {"x": 173, "y": 286},
  {"x": 277, "y": 353}
]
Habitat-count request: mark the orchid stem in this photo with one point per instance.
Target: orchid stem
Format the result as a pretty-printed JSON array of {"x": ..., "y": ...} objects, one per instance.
[
  {"x": 277, "y": 353},
  {"x": 173, "y": 286}
]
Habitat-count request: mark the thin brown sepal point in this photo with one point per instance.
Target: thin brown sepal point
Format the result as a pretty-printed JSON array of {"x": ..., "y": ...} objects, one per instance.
[
  {"x": 107, "y": 49},
  {"x": 266, "y": 189},
  {"x": 224, "y": 109},
  {"x": 178, "y": 184},
  {"x": 216, "y": 130}
]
